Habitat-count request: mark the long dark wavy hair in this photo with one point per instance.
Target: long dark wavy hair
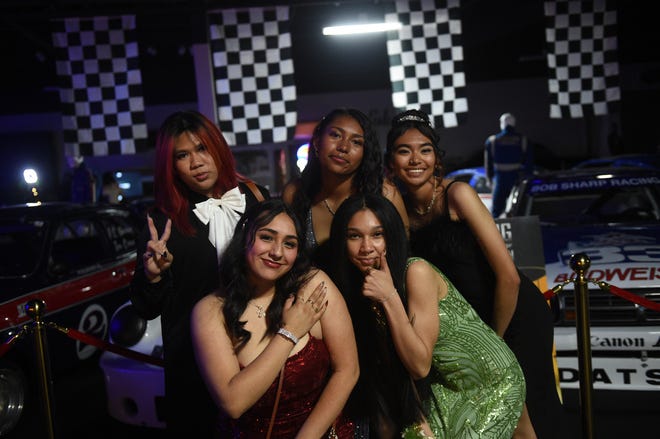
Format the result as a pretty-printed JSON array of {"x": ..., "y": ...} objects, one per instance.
[
  {"x": 420, "y": 121},
  {"x": 368, "y": 177},
  {"x": 234, "y": 286},
  {"x": 385, "y": 388}
]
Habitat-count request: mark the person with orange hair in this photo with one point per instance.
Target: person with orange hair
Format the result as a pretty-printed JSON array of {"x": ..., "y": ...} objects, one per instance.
[{"x": 199, "y": 198}]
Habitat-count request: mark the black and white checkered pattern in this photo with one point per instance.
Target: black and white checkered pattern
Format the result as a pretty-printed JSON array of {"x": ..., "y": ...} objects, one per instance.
[
  {"x": 253, "y": 74},
  {"x": 100, "y": 86},
  {"x": 426, "y": 60},
  {"x": 582, "y": 57}
]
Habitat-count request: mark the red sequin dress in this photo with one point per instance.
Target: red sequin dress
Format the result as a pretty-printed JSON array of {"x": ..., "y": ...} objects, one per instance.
[{"x": 305, "y": 377}]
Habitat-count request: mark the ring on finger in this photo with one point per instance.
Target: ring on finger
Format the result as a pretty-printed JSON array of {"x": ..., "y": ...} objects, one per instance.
[{"x": 148, "y": 254}]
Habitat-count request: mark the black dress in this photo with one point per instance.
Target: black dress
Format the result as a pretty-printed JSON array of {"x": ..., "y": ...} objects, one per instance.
[
  {"x": 451, "y": 246},
  {"x": 189, "y": 409}
]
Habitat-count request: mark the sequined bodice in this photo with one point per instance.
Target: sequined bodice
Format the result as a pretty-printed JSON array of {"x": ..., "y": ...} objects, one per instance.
[
  {"x": 477, "y": 385},
  {"x": 310, "y": 238},
  {"x": 305, "y": 376}
]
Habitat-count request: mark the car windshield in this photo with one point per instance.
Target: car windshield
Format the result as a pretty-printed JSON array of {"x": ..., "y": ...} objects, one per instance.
[
  {"x": 21, "y": 244},
  {"x": 614, "y": 205}
]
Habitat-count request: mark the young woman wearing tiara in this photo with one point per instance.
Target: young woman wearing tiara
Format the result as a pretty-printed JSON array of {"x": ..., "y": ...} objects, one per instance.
[{"x": 451, "y": 228}]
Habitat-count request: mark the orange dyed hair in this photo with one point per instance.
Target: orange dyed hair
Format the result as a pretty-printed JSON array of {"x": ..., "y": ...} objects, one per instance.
[{"x": 170, "y": 192}]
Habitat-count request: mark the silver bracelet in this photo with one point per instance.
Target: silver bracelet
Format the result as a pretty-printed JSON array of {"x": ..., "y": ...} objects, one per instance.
[
  {"x": 389, "y": 296},
  {"x": 288, "y": 335}
]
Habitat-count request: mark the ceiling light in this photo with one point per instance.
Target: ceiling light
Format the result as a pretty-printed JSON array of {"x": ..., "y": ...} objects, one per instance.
[{"x": 352, "y": 29}]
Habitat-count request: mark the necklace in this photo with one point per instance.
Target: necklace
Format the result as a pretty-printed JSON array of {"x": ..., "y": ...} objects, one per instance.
[
  {"x": 378, "y": 313},
  {"x": 261, "y": 311},
  {"x": 327, "y": 206},
  {"x": 430, "y": 206}
]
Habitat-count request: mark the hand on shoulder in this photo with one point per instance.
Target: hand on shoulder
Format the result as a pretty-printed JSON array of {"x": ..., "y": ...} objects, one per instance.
[
  {"x": 318, "y": 276},
  {"x": 336, "y": 304}
]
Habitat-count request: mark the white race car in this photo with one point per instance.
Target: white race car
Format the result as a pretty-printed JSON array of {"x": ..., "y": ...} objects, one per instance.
[
  {"x": 613, "y": 216},
  {"x": 135, "y": 389}
]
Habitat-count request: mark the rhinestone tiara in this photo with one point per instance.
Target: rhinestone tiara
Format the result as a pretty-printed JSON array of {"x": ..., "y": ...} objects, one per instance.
[{"x": 413, "y": 118}]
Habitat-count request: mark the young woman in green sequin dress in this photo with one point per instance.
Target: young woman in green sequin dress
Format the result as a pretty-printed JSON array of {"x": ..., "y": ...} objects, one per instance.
[{"x": 468, "y": 380}]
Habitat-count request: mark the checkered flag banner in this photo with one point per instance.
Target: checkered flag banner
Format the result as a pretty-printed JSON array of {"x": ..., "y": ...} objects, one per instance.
[
  {"x": 253, "y": 74},
  {"x": 426, "y": 60},
  {"x": 582, "y": 57},
  {"x": 100, "y": 85}
]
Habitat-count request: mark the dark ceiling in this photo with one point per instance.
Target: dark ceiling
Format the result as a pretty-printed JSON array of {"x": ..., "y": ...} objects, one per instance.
[{"x": 501, "y": 39}]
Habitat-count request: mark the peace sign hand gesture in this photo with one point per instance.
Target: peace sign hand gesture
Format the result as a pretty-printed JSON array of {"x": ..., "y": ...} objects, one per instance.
[
  {"x": 156, "y": 257},
  {"x": 378, "y": 284}
]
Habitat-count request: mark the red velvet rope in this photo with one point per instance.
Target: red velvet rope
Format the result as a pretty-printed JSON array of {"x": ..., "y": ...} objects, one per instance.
[
  {"x": 103, "y": 345},
  {"x": 88, "y": 339},
  {"x": 627, "y": 295},
  {"x": 646, "y": 303}
]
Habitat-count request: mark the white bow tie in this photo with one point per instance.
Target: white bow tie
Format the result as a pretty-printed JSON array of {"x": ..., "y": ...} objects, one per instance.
[{"x": 221, "y": 215}]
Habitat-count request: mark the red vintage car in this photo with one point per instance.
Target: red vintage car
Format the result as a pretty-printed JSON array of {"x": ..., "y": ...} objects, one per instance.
[{"x": 79, "y": 260}]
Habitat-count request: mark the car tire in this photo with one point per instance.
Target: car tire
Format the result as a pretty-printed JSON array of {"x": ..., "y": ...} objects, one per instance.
[{"x": 13, "y": 394}]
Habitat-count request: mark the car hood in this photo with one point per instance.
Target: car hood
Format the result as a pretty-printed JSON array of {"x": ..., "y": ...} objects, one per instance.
[{"x": 623, "y": 256}]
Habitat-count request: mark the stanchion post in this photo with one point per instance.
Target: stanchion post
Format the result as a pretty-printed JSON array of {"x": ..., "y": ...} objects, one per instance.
[
  {"x": 36, "y": 309},
  {"x": 580, "y": 263}
]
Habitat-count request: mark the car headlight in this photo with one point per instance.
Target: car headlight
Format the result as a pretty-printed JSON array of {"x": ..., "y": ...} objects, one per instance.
[
  {"x": 129, "y": 330},
  {"x": 126, "y": 327}
]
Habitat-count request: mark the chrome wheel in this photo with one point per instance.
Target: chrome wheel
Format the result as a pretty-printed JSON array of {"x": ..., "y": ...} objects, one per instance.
[{"x": 12, "y": 397}]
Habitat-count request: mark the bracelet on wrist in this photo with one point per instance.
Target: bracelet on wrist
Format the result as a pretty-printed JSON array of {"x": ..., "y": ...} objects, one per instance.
[
  {"x": 388, "y": 297},
  {"x": 288, "y": 335}
]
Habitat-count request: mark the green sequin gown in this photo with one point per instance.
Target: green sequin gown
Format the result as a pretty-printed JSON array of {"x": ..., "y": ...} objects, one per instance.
[{"x": 478, "y": 388}]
